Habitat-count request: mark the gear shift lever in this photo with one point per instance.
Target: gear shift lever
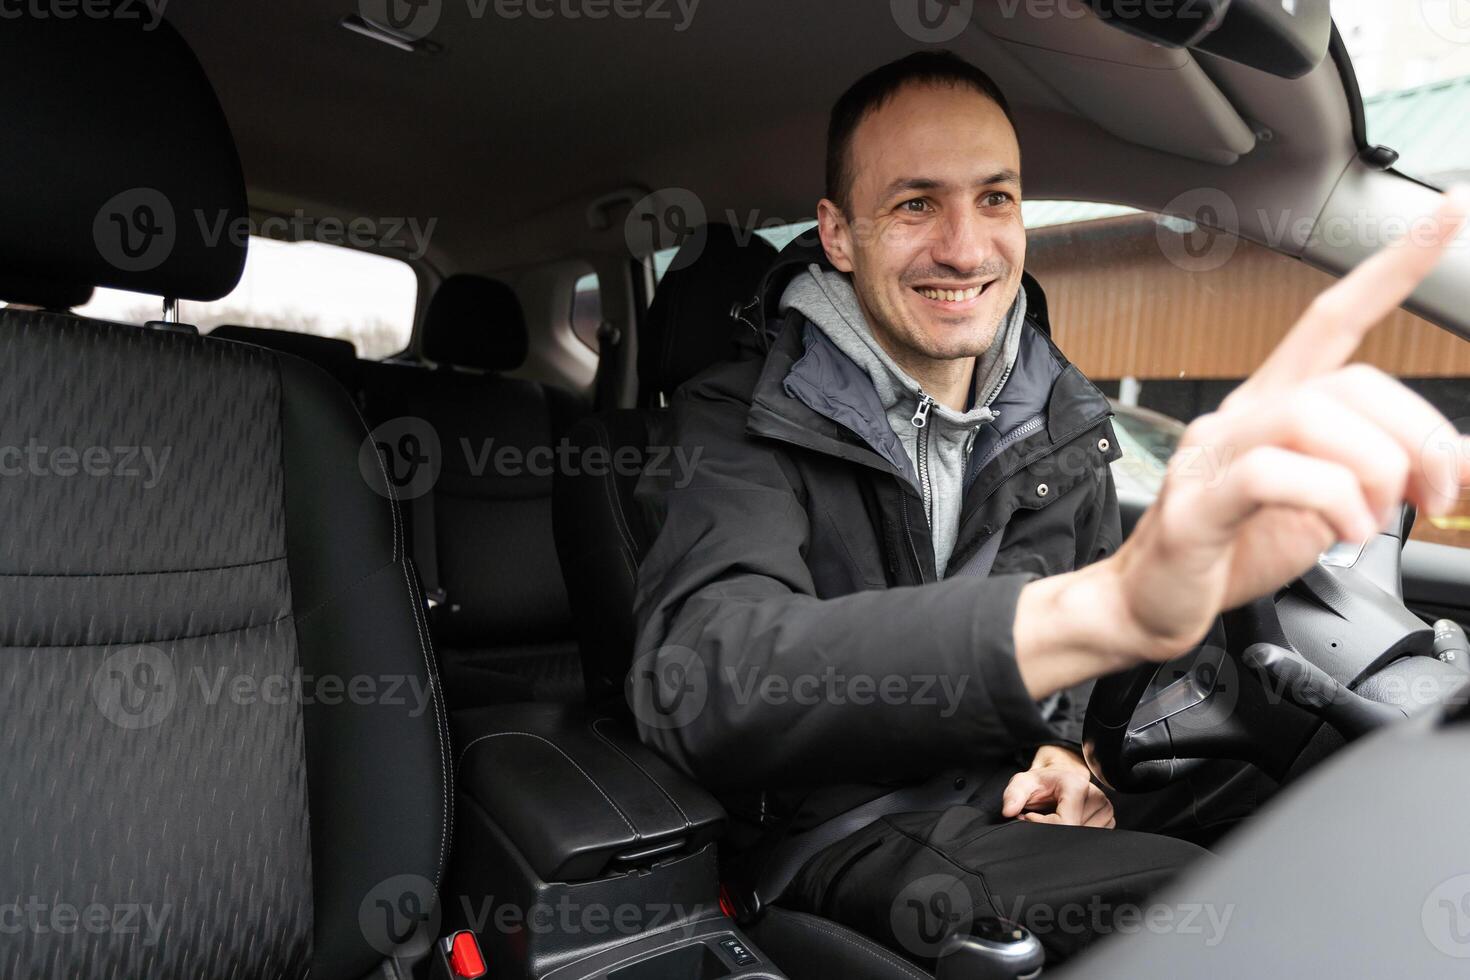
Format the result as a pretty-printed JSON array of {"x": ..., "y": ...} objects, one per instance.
[
  {"x": 993, "y": 949},
  {"x": 1310, "y": 688}
]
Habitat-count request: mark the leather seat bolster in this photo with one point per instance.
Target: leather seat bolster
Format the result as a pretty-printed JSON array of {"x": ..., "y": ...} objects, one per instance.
[{"x": 359, "y": 621}]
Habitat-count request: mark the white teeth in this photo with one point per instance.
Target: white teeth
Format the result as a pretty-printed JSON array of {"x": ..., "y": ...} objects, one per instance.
[{"x": 951, "y": 295}]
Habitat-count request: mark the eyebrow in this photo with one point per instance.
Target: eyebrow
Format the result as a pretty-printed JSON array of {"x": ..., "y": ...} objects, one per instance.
[{"x": 930, "y": 184}]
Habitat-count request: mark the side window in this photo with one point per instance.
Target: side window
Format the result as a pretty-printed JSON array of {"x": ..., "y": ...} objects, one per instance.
[
  {"x": 1167, "y": 317},
  {"x": 586, "y": 312},
  {"x": 310, "y": 287}
]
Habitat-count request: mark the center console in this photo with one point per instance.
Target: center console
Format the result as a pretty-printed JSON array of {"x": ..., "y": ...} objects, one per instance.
[{"x": 582, "y": 855}]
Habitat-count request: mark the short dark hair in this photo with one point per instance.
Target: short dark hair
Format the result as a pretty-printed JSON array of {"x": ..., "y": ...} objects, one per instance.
[{"x": 881, "y": 84}]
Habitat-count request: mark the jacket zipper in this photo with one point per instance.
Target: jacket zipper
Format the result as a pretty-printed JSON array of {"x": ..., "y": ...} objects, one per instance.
[
  {"x": 1012, "y": 437},
  {"x": 920, "y": 421},
  {"x": 908, "y": 534}
]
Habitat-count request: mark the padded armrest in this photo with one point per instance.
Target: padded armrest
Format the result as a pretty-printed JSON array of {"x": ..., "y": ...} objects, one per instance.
[{"x": 577, "y": 793}]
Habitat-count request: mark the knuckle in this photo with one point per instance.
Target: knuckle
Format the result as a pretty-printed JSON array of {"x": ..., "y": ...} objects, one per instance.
[
  {"x": 1362, "y": 375},
  {"x": 1329, "y": 305},
  {"x": 1203, "y": 431}
]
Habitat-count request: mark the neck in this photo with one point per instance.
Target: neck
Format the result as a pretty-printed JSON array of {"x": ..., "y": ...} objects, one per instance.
[{"x": 947, "y": 381}]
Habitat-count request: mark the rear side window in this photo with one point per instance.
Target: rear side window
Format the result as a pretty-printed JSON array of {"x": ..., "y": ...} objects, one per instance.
[
  {"x": 309, "y": 287},
  {"x": 587, "y": 310}
]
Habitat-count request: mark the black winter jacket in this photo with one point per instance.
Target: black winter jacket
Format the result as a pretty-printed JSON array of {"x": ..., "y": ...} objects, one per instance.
[{"x": 792, "y": 635}]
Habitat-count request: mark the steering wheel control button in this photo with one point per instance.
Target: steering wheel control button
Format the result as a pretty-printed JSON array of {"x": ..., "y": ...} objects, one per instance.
[
  {"x": 737, "y": 951},
  {"x": 1042, "y": 489}
]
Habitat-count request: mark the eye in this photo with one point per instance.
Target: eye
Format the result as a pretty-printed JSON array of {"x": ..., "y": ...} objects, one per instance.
[
  {"x": 996, "y": 199},
  {"x": 917, "y": 205}
]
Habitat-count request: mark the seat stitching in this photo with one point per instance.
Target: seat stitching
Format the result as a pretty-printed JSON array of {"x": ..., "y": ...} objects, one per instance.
[
  {"x": 632, "y": 569},
  {"x": 316, "y": 607},
  {"x": 161, "y": 571},
  {"x": 595, "y": 785},
  {"x": 688, "y": 824},
  {"x": 155, "y": 639},
  {"x": 863, "y": 944},
  {"x": 441, "y": 730},
  {"x": 624, "y": 532}
]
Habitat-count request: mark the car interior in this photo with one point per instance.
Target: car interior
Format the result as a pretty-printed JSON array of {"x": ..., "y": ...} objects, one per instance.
[{"x": 457, "y": 785}]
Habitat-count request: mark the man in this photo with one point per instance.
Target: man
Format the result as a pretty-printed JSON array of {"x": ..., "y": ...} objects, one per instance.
[{"x": 901, "y": 553}]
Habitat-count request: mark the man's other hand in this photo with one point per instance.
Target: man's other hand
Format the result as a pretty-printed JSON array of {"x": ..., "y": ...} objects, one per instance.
[{"x": 1057, "y": 789}]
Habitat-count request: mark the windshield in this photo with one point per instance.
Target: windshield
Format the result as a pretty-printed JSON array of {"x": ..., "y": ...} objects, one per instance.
[{"x": 1412, "y": 60}]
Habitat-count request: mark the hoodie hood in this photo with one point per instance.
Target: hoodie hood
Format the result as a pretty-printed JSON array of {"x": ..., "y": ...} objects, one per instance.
[
  {"x": 827, "y": 299},
  {"x": 846, "y": 376}
]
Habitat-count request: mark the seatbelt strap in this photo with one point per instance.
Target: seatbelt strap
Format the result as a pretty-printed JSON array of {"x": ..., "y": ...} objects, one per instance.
[
  {"x": 787, "y": 857},
  {"x": 426, "y": 548}
]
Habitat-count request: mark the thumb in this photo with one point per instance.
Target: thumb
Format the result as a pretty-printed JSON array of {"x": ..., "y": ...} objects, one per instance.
[{"x": 1018, "y": 792}]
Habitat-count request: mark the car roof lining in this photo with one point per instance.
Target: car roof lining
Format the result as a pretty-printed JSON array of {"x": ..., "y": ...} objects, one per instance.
[{"x": 507, "y": 153}]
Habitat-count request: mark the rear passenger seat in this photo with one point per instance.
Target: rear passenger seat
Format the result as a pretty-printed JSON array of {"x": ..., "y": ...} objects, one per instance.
[
  {"x": 482, "y": 536},
  {"x": 333, "y": 355}
]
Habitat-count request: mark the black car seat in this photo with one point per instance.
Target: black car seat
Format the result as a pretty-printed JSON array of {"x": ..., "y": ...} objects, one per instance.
[
  {"x": 333, "y": 355},
  {"x": 480, "y": 523},
  {"x": 189, "y": 553},
  {"x": 601, "y": 532}
]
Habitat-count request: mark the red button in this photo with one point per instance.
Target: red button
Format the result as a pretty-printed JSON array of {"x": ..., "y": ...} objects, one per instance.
[{"x": 464, "y": 956}]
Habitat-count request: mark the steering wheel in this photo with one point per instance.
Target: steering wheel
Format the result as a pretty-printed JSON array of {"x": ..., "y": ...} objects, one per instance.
[{"x": 1338, "y": 646}]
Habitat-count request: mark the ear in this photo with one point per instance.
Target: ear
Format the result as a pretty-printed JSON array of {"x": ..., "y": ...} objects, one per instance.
[{"x": 836, "y": 235}]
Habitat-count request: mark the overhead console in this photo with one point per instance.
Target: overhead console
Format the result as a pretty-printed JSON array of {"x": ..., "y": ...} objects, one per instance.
[
  {"x": 1287, "y": 38},
  {"x": 1130, "y": 66},
  {"x": 1155, "y": 96}
]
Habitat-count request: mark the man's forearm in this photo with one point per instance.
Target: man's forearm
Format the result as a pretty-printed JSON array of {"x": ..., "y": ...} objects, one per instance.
[{"x": 1073, "y": 627}]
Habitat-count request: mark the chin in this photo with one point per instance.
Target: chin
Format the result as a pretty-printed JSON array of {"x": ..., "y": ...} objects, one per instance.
[{"x": 948, "y": 340}]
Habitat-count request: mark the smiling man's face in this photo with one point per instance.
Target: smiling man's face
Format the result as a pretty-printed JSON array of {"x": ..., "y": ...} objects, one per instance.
[{"x": 932, "y": 234}]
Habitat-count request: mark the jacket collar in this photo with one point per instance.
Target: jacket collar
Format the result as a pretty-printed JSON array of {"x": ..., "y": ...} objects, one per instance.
[{"x": 1044, "y": 384}]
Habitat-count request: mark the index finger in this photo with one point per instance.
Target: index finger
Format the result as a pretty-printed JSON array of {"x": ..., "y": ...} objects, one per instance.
[{"x": 1340, "y": 317}]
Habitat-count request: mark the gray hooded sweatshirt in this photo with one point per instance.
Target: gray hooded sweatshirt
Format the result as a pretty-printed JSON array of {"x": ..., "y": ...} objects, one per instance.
[{"x": 937, "y": 439}]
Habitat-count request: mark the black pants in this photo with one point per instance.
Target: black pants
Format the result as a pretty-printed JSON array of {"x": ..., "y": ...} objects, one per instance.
[{"x": 911, "y": 880}]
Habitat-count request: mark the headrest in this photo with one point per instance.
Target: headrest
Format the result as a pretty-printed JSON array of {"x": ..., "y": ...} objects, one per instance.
[
  {"x": 45, "y": 293},
  {"x": 690, "y": 323},
  {"x": 121, "y": 170},
  {"x": 335, "y": 356},
  {"x": 475, "y": 322}
]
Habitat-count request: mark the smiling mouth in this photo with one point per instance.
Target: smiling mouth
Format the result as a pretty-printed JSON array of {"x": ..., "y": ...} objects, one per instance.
[{"x": 951, "y": 295}]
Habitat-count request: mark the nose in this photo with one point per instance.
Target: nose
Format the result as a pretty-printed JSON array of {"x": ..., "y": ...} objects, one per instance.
[{"x": 962, "y": 242}]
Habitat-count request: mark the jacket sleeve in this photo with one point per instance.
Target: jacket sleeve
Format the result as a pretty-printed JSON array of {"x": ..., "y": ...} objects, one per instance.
[{"x": 745, "y": 678}]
